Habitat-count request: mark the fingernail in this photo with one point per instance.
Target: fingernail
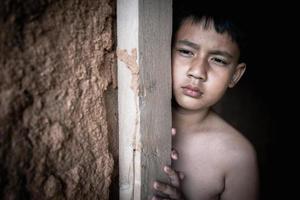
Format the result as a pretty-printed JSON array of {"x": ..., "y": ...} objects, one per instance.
[
  {"x": 181, "y": 175},
  {"x": 167, "y": 169},
  {"x": 173, "y": 131},
  {"x": 156, "y": 185},
  {"x": 174, "y": 156}
]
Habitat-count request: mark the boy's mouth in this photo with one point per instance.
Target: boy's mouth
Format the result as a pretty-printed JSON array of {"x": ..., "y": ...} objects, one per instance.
[{"x": 192, "y": 91}]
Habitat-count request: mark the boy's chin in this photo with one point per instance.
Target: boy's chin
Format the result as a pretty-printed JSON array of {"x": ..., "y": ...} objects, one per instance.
[{"x": 188, "y": 106}]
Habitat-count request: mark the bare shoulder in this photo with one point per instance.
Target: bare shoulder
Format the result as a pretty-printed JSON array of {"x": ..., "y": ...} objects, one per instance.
[
  {"x": 221, "y": 141},
  {"x": 233, "y": 143}
]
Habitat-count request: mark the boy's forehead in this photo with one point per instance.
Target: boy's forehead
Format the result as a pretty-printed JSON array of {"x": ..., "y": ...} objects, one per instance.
[
  {"x": 202, "y": 33},
  {"x": 200, "y": 29}
]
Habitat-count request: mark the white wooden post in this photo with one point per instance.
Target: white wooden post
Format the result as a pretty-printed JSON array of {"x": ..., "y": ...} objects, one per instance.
[{"x": 144, "y": 29}]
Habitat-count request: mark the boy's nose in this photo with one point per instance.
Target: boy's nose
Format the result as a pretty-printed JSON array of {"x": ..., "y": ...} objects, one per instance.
[{"x": 198, "y": 70}]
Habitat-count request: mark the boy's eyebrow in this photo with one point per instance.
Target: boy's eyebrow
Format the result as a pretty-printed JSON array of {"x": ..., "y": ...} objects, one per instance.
[
  {"x": 197, "y": 47},
  {"x": 222, "y": 53},
  {"x": 189, "y": 43}
]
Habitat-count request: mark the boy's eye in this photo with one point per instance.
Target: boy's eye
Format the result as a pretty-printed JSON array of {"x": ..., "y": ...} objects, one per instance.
[
  {"x": 220, "y": 61},
  {"x": 185, "y": 52}
]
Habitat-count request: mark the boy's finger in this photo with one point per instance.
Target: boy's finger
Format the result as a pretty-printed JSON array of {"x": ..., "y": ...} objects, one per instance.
[
  {"x": 166, "y": 189},
  {"x": 181, "y": 175},
  {"x": 174, "y": 154},
  {"x": 157, "y": 198},
  {"x": 174, "y": 178},
  {"x": 173, "y": 131}
]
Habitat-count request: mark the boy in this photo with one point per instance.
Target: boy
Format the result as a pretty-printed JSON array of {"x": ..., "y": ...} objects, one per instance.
[{"x": 214, "y": 160}]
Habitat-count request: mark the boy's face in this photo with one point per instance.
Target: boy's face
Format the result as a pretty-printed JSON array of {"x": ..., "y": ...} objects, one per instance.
[{"x": 204, "y": 65}]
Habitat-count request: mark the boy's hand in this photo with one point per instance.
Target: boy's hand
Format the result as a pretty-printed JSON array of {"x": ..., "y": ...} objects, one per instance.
[{"x": 173, "y": 190}]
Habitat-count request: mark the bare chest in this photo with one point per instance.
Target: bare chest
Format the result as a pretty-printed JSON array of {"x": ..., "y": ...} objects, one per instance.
[{"x": 204, "y": 175}]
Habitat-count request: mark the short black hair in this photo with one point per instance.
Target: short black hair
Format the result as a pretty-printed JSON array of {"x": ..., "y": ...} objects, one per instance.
[{"x": 224, "y": 22}]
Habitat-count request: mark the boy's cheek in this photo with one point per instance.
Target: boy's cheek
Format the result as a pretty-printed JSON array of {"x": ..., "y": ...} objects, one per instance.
[{"x": 178, "y": 75}]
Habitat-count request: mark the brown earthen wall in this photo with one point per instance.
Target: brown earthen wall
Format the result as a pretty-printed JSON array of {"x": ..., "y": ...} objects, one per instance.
[{"x": 58, "y": 107}]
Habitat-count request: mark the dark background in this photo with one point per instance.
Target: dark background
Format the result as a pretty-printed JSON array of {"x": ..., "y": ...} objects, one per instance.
[{"x": 263, "y": 105}]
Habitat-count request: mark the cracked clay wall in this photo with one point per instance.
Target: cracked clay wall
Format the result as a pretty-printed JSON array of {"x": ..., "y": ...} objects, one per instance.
[{"x": 58, "y": 107}]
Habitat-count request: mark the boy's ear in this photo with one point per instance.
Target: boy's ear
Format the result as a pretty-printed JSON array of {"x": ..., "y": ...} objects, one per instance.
[{"x": 237, "y": 74}]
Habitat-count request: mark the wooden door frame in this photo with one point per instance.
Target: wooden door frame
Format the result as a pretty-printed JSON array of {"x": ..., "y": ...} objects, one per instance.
[{"x": 144, "y": 29}]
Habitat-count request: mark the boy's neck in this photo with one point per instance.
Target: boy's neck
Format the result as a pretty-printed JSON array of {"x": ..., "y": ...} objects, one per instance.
[{"x": 188, "y": 118}]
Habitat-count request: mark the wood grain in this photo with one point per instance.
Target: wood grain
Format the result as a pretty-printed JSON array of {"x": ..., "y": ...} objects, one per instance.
[{"x": 144, "y": 27}]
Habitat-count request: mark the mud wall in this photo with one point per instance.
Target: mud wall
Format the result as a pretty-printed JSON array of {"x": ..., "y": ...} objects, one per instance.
[{"x": 58, "y": 111}]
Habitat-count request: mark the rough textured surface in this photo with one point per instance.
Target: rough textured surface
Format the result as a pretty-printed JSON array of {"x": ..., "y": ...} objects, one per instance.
[{"x": 57, "y": 93}]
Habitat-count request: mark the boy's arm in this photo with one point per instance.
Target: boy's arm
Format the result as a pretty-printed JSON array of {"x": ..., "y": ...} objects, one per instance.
[{"x": 241, "y": 179}]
